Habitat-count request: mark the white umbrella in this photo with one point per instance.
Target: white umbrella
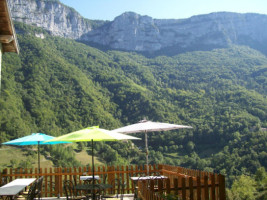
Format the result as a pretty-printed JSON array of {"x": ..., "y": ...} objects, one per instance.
[{"x": 148, "y": 126}]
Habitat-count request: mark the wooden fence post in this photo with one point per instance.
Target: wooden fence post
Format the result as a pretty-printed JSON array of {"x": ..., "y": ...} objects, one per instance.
[
  {"x": 175, "y": 182},
  {"x": 213, "y": 194},
  {"x": 10, "y": 172},
  {"x": 1, "y": 174},
  {"x": 60, "y": 182},
  {"x": 206, "y": 187},
  {"x": 168, "y": 186},
  {"x": 127, "y": 179},
  {"x": 183, "y": 189},
  {"x": 50, "y": 182},
  {"x": 191, "y": 189},
  {"x": 222, "y": 187},
  {"x": 132, "y": 183},
  {"x": 160, "y": 185},
  {"x": 151, "y": 185},
  {"x": 45, "y": 182},
  {"x": 57, "y": 191},
  {"x": 198, "y": 188}
]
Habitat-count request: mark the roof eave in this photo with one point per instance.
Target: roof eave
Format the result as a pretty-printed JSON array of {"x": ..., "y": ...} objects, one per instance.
[{"x": 9, "y": 41}]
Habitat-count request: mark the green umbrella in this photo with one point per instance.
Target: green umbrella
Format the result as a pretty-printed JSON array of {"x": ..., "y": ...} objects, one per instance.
[{"x": 93, "y": 134}]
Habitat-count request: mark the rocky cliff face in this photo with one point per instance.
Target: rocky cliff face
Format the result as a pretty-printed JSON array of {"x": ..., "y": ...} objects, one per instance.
[
  {"x": 51, "y": 15},
  {"x": 131, "y": 31}
]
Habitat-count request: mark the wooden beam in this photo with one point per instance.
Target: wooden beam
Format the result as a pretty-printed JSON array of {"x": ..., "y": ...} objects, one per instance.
[
  {"x": 6, "y": 38},
  {"x": 7, "y": 30}
]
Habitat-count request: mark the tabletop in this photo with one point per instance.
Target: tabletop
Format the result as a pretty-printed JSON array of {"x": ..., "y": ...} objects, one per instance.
[
  {"x": 84, "y": 178},
  {"x": 14, "y": 187},
  {"x": 137, "y": 178}
]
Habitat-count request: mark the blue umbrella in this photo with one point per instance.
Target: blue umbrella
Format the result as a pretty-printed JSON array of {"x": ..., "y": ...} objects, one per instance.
[{"x": 34, "y": 139}]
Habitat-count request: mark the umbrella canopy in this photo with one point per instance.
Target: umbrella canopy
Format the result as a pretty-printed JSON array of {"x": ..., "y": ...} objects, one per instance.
[
  {"x": 33, "y": 139},
  {"x": 93, "y": 134},
  {"x": 148, "y": 126}
]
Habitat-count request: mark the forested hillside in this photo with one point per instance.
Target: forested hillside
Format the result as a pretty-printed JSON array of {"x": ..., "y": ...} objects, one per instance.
[{"x": 59, "y": 85}]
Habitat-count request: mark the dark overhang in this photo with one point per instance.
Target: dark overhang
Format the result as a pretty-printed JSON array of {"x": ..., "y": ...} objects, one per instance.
[{"x": 7, "y": 32}]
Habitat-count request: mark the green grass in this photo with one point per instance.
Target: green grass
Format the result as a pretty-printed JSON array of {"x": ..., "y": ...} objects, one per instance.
[
  {"x": 8, "y": 153},
  {"x": 18, "y": 154},
  {"x": 86, "y": 159},
  {"x": 44, "y": 163},
  {"x": 173, "y": 155}
]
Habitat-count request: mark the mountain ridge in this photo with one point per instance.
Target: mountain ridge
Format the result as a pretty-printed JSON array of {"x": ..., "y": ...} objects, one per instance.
[{"x": 133, "y": 32}]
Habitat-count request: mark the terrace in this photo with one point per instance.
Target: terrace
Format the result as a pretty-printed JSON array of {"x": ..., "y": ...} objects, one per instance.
[{"x": 181, "y": 183}]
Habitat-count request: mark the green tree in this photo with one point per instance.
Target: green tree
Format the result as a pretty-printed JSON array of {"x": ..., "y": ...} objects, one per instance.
[
  {"x": 244, "y": 188},
  {"x": 260, "y": 174},
  {"x": 190, "y": 146}
]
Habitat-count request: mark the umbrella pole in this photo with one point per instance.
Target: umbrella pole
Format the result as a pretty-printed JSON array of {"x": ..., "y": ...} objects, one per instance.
[
  {"x": 93, "y": 168},
  {"x": 38, "y": 157},
  {"x": 147, "y": 170}
]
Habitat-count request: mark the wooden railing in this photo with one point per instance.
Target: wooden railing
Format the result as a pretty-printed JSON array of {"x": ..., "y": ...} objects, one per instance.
[
  {"x": 184, "y": 184},
  {"x": 54, "y": 177},
  {"x": 181, "y": 182}
]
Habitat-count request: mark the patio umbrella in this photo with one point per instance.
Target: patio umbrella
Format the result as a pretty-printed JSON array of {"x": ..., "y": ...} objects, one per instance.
[
  {"x": 148, "y": 126},
  {"x": 33, "y": 139},
  {"x": 93, "y": 134}
]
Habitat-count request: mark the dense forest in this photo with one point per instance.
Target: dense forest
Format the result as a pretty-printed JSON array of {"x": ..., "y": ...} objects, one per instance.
[{"x": 58, "y": 85}]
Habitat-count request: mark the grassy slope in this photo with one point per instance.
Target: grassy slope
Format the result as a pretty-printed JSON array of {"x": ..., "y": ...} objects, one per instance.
[{"x": 8, "y": 153}]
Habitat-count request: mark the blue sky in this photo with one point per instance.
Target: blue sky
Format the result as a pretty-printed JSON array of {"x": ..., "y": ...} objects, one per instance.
[{"x": 163, "y": 9}]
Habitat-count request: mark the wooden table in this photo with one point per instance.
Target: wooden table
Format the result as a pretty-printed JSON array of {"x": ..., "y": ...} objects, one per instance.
[
  {"x": 14, "y": 187},
  {"x": 87, "y": 178},
  {"x": 140, "y": 178}
]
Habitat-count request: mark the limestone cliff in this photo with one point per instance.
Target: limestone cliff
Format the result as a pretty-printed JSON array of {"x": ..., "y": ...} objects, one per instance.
[
  {"x": 53, "y": 16},
  {"x": 133, "y": 32}
]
